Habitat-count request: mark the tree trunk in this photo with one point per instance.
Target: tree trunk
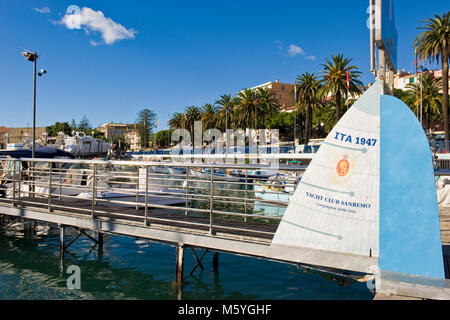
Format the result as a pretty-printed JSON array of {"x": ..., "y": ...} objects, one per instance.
[
  {"x": 307, "y": 124},
  {"x": 445, "y": 96},
  {"x": 338, "y": 105}
]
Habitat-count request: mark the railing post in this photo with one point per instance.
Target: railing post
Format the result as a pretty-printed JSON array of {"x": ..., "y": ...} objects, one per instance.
[
  {"x": 20, "y": 179},
  {"x": 14, "y": 184},
  {"x": 187, "y": 190},
  {"x": 94, "y": 189},
  {"x": 50, "y": 186},
  {"x": 60, "y": 181},
  {"x": 211, "y": 200},
  {"x": 146, "y": 196},
  {"x": 32, "y": 186},
  {"x": 245, "y": 200},
  {"x": 138, "y": 180}
]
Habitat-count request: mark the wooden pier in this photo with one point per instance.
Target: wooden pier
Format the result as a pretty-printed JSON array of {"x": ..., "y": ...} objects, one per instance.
[
  {"x": 437, "y": 289},
  {"x": 444, "y": 215},
  {"x": 169, "y": 226},
  {"x": 207, "y": 226},
  {"x": 163, "y": 225}
]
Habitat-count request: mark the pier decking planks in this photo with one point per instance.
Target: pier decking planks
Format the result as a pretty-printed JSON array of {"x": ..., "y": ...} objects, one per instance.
[
  {"x": 444, "y": 215},
  {"x": 162, "y": 218},
  {"x": 176, "y": 220}
]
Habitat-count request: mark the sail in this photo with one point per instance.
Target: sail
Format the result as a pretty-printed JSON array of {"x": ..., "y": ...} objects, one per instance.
[
  {"x": 368, "y": 199},
  {"x": 410, "y": 235},
  {"x": 335, "y": 206}
]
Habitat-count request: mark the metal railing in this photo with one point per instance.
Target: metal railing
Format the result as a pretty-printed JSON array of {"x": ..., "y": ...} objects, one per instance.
[
  {"x": 438, "y": 146},
  {"x": 311, "y": 148},
  {"x": 206, "y": 196}
]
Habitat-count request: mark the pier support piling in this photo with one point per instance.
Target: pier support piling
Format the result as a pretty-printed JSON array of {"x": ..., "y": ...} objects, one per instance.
[
  {"x": 179, "y": 263},
  {"x": 61, "y": 248},
  {"x": 100, "y": 239},
  {"x": 216, "y": 262},
  {"x": 28, "y": 228},
  {"x": 198, "y": 260},
  {"x": 61, "y": 241}
]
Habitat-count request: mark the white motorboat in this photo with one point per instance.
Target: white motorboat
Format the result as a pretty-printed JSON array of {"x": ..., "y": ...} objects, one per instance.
[
  {"x": 70, "y": 183},
  {"x": 275, "y": 193},
  {"x": 66, "y": 180},
  {"x": 163, "y": 196},
  {"x": 82, "y": 145},
  {"x": 158, "y": 191}
]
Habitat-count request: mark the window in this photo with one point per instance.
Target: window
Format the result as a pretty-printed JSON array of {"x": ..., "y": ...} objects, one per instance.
[
  {"x": 282, "y": 88},
  {"x": 411, "y": 80}
]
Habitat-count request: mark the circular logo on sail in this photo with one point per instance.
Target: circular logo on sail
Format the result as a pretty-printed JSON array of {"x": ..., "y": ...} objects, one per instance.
[{"x": 342, "y": 167}]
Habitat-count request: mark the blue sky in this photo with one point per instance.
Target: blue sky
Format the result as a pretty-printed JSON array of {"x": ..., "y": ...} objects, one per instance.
[{"x": 167, "y": 55}]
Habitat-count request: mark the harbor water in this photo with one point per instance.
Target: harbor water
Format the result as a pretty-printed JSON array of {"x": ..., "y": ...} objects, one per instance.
[{"x": 130, "y": 268}]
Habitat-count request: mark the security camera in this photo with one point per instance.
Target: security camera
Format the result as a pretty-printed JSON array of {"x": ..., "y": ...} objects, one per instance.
[{"x": 42, "y": 72}]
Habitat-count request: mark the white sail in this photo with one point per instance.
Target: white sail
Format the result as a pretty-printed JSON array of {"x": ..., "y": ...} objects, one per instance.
[{"x": 335, "y": 209}]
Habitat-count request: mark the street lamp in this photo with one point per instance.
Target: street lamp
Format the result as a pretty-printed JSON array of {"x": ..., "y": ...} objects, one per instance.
[{"x": 32, "y": 57}]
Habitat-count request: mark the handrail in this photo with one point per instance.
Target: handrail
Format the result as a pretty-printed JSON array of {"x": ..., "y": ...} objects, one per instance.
[
  {"x": 200, "y": 191},
  {"x": 169, "y": 164}
]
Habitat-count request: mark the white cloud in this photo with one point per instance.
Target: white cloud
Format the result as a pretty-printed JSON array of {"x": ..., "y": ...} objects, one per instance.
[
  {"x": 295, "y": 50},
  {"x": 91, "y": 20},
  {"x": 42, "y": 10},
  {"x": 311, "y": 58}
]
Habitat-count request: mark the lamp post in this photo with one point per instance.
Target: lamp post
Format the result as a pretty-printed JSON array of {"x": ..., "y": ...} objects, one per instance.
[
  {"x": 295, "y": 114},
  {"x": 421, "y": 94},
  {"x": 32, "y": 57}
]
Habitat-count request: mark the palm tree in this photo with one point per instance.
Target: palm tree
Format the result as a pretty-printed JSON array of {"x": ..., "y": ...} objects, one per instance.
[
  {"x": 209, "y": 116},
  {"x": 432, "y": 44},
  {"x": 177, "y": 121},
  {"x": 193, "y": 114},
  {"x": 431, "y": 97},
  {"x": 252, "y": 104},
  {"x": 246, "y": 108},
  {"x": 267, "y": 105},
  {"x": 227, "y": 103},
  {"x": 335, "y": 80},
  {"x": 308, "y": 97},
  {"x": 326, "y": 118}
]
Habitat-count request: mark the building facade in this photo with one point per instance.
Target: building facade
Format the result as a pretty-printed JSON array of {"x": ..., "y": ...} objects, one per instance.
[
  {"x": 132, "y": 138},
  {"x": 282, "y": 92},
  {"x": 21, "y": 135},
  {"x": 403, "y": 78},
  {"x": 113, "y": 130}
]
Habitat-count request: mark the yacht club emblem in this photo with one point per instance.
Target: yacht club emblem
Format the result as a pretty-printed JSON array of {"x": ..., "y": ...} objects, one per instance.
[{"x": 343, "y": 167}]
